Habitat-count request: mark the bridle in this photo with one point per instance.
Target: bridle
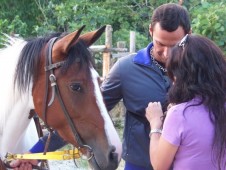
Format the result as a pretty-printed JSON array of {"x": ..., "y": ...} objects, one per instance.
[
  {"x": 49, "y": 69},
  {"x": 82, "y": 151}
]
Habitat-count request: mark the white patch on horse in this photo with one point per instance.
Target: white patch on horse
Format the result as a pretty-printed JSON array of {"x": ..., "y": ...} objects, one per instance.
[
  {"x": 112, "y": 134},
  {"x": 17, "y": 132}
]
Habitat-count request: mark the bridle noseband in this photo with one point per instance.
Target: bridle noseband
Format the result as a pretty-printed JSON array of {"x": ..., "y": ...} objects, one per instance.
[{"x": 55, "y": 92}]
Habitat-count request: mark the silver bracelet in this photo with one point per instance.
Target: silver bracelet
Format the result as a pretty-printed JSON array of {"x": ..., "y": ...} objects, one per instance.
[{"x": 155, "y": 131}]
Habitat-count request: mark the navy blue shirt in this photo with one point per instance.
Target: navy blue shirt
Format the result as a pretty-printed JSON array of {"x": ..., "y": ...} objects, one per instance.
[{"x": 137, "y": 81}]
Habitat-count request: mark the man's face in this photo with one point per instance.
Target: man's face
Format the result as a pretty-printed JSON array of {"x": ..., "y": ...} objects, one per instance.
[{"x": 164, "y": 40}]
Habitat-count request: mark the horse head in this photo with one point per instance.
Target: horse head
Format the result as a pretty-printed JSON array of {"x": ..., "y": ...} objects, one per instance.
[{"x": 73, "y": 104}]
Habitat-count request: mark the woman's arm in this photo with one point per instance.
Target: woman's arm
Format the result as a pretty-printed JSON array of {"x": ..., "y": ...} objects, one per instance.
[{"x": 162, "y": 153}]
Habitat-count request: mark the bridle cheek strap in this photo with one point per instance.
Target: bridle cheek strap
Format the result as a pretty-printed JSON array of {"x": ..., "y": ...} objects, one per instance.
[
  {"x": 56, "y": 92},
  {"x": 48, "y": 53}
]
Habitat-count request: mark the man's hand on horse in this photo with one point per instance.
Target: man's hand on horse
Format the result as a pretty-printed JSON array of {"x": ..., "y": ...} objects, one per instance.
[{"x": 23, "y": 164}]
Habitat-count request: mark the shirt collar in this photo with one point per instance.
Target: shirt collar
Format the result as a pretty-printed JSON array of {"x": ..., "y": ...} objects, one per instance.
[{"x": 143, "y": 56}]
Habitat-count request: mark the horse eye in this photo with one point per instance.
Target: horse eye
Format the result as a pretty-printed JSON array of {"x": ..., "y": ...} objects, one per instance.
[{"x": 76, "y": 87}]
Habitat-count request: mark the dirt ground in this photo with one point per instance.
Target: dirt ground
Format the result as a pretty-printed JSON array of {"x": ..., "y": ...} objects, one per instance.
[
  {"x": 69, "y": 165},
  {"x": 65, "y": 165}
]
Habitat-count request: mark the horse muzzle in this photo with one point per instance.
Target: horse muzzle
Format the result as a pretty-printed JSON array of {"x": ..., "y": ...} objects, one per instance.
[{"x": 109, "y": 162}]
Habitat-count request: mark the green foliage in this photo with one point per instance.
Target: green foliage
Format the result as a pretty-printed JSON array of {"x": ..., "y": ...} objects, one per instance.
[
  {"x": 209, "y": 19},
  {"x": 39, "y": 17},
  {"x": 123, "y": 35},
  {"x": 18, "y": 17}
]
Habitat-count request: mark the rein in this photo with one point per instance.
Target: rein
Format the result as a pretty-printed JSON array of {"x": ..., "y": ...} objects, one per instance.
[{"x": 57, "y": 155}]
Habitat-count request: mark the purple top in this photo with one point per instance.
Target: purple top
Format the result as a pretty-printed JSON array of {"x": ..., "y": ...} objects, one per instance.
[{"x": 192, "y": 131}]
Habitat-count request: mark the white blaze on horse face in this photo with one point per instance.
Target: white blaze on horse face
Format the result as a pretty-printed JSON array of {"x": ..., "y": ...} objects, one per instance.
[{"x": 111, "y": 132}]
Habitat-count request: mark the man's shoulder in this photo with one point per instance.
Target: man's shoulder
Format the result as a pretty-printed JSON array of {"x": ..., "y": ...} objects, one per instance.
[
  {"x": 131, "y": 55},
  {"x": 126, "y": 58}
]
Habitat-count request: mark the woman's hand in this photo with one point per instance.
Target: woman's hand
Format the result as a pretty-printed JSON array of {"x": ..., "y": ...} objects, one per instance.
[{"x": 153, "y": 114}]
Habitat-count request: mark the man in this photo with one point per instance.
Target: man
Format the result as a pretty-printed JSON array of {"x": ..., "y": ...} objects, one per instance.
[{"x": 141, "y": 78}]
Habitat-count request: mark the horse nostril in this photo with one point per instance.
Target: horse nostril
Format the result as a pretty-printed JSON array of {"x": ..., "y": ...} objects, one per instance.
[
  {"x": 110, "y": 161},
  {"x": 113, "y": 156}
]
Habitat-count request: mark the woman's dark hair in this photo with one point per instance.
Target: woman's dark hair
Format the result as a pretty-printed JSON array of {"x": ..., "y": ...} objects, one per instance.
[
  {"x": 171, "y": 16},
  {"x": 198, "y": 68}
]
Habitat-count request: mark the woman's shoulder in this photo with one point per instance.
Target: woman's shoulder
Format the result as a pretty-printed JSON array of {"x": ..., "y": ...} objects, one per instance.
[
  {"x": 188, "y": 106},
  {"x": 177, "y": 107}
]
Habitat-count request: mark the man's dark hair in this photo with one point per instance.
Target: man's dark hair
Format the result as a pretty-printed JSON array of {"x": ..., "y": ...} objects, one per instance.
[{"x": 171, "y": 16}]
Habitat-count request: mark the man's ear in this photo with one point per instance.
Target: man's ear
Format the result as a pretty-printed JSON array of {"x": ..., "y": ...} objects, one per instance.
[{"x": 150, "y": 30}]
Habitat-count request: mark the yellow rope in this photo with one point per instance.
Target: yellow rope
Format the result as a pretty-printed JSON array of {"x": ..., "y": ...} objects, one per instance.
[{"x": 57, "y": 155}]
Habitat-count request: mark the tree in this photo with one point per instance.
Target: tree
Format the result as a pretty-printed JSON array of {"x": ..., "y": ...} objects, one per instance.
[
  {"x": 208, "y": 19},
  {"x": 39, "y": 17}
]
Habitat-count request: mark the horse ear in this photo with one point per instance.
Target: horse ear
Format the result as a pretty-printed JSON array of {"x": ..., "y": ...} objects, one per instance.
[
  {"x": 63, "y": 44},
  {"x": 91, "y": 37}
]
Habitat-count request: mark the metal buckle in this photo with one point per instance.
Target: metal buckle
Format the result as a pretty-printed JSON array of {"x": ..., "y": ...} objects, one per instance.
[{"x": 88, "y": 152}]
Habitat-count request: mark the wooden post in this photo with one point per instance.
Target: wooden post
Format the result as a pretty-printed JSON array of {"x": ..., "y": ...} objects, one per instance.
[
  {"x": 107, "y": 55},
  {"x": 132, "y": 47},
  {"x": 121, "y": 44}
]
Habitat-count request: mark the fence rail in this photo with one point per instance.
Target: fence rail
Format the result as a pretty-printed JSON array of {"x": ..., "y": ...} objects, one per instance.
[{"x": 109, "y": 52}]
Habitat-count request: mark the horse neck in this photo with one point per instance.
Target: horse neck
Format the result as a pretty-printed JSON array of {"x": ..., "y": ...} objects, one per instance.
[{"x": 15, "y": 107}]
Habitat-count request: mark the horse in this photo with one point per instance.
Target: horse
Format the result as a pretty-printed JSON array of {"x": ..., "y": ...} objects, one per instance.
[{"x": 55, "y": 76}]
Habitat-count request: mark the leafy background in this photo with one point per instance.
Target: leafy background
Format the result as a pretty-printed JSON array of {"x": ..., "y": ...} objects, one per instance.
[
  {"x": 28, "y": 18},
  {"x": 34, "y": 18}
]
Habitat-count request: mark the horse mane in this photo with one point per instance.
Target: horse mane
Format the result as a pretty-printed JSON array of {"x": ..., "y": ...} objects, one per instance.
[{"x": 29, "y": 60}]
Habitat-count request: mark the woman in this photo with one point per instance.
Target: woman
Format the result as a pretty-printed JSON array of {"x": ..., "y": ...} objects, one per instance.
[{"x": 194, "y": 131}]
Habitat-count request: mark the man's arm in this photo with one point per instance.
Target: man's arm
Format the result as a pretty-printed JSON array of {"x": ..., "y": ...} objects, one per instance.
[
  {"x": 56, "y": 142},
  {"x": 111, "y": 87}
]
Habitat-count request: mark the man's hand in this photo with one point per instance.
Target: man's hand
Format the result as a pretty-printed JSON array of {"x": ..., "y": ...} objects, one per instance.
[{"x": 23, "y": 164}]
